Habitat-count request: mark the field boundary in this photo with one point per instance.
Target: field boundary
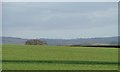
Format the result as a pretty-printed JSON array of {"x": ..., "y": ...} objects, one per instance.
[
  {"x": 106, "y": 46},
  {"x": 61, "y": 62}
]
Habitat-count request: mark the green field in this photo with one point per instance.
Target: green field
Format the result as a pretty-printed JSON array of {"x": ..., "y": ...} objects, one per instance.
[{"x": 30, "y": 57}]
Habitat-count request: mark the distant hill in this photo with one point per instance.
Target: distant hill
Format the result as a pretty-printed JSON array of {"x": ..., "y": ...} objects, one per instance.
[
  {"x": 12, "y": 40},
  {"x": 79, "y": 41}
]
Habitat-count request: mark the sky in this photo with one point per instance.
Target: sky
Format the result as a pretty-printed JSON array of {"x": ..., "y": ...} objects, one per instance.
[
  {"x": 0, "y": 19},
  {"x": 60, "y": 0},
  {"x": 64, "y": 20}
]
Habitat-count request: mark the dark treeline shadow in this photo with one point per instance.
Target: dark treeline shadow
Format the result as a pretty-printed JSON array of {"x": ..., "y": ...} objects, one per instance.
[
  {"x": 105, "y": 46},
  {"x": 62, "y": 62}
]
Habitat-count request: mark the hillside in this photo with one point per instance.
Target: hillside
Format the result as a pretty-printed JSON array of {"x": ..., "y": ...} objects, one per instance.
[{"x": 79, "y": 41}]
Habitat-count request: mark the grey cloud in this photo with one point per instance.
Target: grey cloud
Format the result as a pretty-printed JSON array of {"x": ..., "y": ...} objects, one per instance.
[{"x": 53, "y": 18}]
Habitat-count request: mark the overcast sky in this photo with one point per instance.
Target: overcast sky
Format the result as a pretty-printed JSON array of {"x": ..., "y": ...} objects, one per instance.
[{"x": 60, "y": 19}]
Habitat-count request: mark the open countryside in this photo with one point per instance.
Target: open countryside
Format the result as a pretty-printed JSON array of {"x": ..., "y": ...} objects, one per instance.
[{"x": 59, "y": 36}]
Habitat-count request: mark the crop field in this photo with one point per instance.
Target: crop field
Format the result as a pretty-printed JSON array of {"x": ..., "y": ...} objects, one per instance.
[{"x": 31, "y": 57}]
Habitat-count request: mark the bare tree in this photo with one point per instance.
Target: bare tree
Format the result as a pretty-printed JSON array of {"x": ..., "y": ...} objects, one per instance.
[{"x": 35, "y": 42}]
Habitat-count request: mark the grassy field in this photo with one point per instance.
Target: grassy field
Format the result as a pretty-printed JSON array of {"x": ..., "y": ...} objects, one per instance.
[{"x": 30, "y": 57}]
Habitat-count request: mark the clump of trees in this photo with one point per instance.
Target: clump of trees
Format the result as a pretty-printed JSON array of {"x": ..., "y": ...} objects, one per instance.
[{"x": 35, "y": 42}]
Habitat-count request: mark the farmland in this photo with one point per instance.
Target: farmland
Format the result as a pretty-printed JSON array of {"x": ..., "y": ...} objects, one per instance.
[{"x": 31, "y": 57}]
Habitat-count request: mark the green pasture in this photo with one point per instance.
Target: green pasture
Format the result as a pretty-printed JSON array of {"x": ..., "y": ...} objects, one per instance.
[{"x": 31, "y": 57}]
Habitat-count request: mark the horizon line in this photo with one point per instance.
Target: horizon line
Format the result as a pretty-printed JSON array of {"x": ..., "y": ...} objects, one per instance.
[{"x": 61, "y": 38}]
